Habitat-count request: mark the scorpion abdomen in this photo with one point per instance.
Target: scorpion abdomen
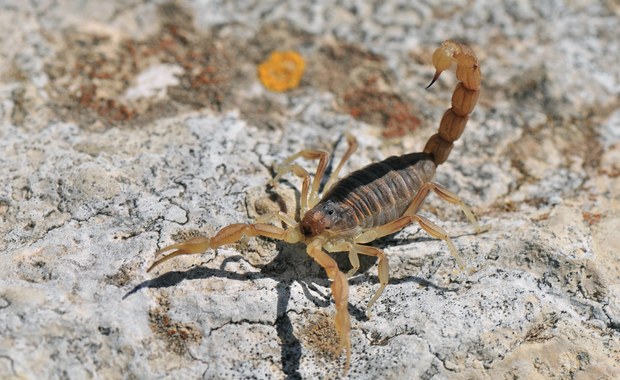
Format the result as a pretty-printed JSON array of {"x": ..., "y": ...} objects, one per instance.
[{"x": 381, "y": 191}]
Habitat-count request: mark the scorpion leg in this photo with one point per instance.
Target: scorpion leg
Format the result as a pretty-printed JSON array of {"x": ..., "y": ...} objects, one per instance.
[
  {"x": 355, "y": 262},
  {"x": 355, "y": 248},
  {"x": 428, "y": 226},
  {"x": 439, "y": 233},
  {"x": 346, "y": 246},
  {"x": 227, "y": 235},
  {"x": 323, "y": 157},
  {"x": 352, "y": 141},
  {"x": 340, "y": 293},
  {"x": 305, "y": 187},
  {"x": 384, "y": 270},
  {"x": 447, "y": 196}
]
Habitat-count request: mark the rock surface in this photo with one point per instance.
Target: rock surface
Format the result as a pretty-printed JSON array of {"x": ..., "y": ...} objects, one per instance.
[{"x": 126, "y": 126}]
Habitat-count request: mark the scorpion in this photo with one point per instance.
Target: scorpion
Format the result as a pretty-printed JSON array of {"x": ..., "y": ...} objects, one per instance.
[{"x": 377, "y": 200}]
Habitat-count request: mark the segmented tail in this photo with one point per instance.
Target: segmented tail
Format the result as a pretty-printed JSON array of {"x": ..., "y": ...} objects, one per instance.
[{"x": 464, "y": 97}]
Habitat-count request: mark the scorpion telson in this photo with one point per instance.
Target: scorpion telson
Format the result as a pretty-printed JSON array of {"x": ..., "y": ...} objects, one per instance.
[{"x": 370, "y": 203}]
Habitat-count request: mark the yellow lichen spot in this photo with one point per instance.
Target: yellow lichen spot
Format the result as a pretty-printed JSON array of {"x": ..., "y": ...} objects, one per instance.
[{"x": 282, "y": 71}]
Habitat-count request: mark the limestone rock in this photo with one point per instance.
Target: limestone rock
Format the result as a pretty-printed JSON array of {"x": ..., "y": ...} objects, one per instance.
[{"x": 126, "y": 126}]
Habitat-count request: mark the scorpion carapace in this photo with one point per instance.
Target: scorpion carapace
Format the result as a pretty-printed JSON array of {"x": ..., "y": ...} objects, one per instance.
[{"x": 372, "y": 202}]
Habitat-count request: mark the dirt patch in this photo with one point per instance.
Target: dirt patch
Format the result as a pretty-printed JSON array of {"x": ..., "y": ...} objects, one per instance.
[
  {"x": 319, "y": 333},
  {"x": 92, "y": 76},
  {"x": 364, "y": 88},
  {"x": 178, "y": 336},
  {"x": 122, "y": 277},
  {"x": 184, "y": 235},
  {"x": 574, "y": 140}
]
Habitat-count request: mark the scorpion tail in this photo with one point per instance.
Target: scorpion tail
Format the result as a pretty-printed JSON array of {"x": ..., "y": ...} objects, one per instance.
[{"x": 464, "y": 98}]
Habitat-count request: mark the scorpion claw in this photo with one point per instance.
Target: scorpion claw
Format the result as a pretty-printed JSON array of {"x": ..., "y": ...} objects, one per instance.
[{"x": 195, "y": 245}]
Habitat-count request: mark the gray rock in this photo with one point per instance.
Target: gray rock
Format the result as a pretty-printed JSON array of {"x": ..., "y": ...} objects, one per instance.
[{"x": 127, "y": 126}]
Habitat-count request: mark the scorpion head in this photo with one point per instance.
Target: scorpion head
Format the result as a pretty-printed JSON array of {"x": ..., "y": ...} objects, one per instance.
[{"x": 318, "y": 219}]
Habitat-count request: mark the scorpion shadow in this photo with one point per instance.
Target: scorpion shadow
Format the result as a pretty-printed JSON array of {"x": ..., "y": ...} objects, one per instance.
[{"x": 291, "y": 264}]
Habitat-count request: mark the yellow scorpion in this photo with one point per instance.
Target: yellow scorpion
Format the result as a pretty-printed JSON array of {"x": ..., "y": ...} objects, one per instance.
[{"x": 370, "y": 203}]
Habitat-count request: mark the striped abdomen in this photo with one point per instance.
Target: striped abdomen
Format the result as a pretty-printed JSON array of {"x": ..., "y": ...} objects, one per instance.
[{"x": 380, "y": 192}]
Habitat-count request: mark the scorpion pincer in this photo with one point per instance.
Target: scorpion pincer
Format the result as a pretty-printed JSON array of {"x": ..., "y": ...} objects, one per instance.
[{"x": 375, "y": 201}]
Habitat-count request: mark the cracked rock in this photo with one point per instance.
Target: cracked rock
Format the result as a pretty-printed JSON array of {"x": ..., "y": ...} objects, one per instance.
[{"x": 128, "y": 126}]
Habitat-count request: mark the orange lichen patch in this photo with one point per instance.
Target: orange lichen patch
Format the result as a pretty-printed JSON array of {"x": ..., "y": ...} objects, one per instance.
[{"x": 282, "y": 71}]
